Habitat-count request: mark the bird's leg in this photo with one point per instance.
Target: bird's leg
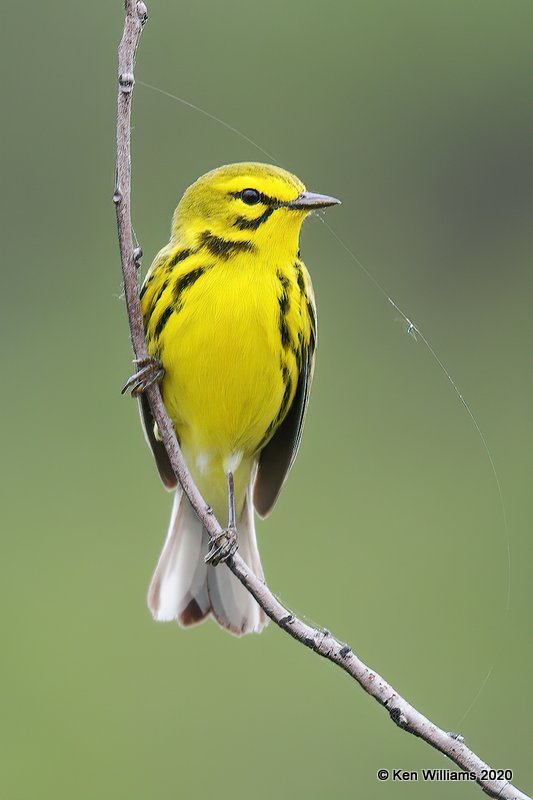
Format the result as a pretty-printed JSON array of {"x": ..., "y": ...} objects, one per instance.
[
  {"x": 149, "y": 371},
  {"x": 224, "y": 544},
  {"x": 231, "y": 501}
]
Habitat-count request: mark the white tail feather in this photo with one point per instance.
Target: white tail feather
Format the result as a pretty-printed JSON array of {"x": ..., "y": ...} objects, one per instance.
[{"x": 184, "y": 588}]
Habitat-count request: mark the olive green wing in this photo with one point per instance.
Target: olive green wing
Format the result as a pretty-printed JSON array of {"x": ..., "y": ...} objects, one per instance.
[
  {"x": 157, "y": 447},
  {"x": 277, "y": 457}
]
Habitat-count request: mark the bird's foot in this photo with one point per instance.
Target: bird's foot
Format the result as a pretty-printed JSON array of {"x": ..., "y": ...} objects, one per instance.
[
  {"x": 150, "y": 371},
  {"x": 223, "y": 546}
]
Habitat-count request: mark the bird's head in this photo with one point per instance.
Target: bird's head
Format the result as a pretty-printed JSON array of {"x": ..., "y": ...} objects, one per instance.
[{"x": 247, "y": 202}]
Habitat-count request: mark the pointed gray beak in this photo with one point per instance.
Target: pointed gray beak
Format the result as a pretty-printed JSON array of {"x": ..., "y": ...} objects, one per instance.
[{"x": 307, "y": 201}]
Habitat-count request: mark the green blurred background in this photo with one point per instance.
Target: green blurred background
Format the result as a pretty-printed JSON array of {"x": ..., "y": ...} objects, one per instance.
[{"x": 419, "y": 116}]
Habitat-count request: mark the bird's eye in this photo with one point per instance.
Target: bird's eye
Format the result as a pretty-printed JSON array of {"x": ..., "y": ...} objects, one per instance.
[{"x": 250, "y": 196}]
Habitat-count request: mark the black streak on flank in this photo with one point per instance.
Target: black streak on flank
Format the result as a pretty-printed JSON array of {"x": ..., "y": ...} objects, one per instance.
[
  {"x": 181, "y": 255},
  {"x": 300, "y": 277},
  {"x": 284, "y": 302},
  {"x": 298, "y": 352},
  {"x": 157, "y": 298},
  {"x": 284, "y": 331},
  {"x": 185, "y": 282},
  {"x": 285, "y": 402},
  {"x": 283, "y": 299},
  {"x": 146, "y": 284},
  {"x": 225, "y": 248},
  {"x": 285, "y": 282},
  {"x": 143, "y": 291},
  {"x": 244, "y": 224},
  {"x": 312, "y": 320},
  {"x": 165, "y": 265},
  {"x": 162, "y": 321},
  {"x": 278, "y": 419}
]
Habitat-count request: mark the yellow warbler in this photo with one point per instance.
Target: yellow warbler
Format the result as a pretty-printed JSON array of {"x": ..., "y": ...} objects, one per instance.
[{"x": 230, "y": 324}]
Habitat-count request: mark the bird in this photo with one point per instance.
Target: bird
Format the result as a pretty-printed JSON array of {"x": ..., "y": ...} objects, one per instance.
[{"x": 231, "y": 330}]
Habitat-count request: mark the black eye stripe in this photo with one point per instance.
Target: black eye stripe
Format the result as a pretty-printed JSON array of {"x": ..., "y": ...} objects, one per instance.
[{"x": 272, "y": 202}]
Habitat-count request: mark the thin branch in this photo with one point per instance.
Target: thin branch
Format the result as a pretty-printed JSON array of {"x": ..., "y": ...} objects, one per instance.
[{"x": 321, "y": 641}]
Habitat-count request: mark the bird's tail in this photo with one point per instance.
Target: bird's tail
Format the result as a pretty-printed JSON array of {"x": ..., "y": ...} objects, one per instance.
[{"x": 186, "y": 589}]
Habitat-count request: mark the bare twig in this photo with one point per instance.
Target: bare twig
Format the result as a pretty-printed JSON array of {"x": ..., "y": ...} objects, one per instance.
[{"x": 321, "y": 641}]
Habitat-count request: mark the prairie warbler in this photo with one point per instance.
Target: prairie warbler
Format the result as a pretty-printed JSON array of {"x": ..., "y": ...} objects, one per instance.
[{"x": 230, "y": 324}]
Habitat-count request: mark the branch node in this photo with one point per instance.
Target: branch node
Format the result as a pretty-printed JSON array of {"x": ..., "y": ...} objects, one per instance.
[
  {"x": 142, "y": 12},
  {"x": 126, "y": 81},
  {"x": 286, "y": 620},
  {"x": 117, "y": 196},
  {"x": 137, "y": 255},
  {"x": 398, "y": 717},
  {"x": 456, "y": 736},
  {"x": 345, "y": 651}
]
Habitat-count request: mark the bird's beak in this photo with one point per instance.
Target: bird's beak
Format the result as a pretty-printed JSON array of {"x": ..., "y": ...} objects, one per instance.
[{"x": 307, "y": 201}]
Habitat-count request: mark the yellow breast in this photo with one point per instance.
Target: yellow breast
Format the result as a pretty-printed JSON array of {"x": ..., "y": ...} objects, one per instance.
[
  {"x": 221, "y": 352},
  {"x": 228, "y": 333}
]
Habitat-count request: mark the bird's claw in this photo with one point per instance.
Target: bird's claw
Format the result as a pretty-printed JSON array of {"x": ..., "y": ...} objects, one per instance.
[
  {"x": 150, "y": 371},
  {"x": 223, "y": 546}
]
